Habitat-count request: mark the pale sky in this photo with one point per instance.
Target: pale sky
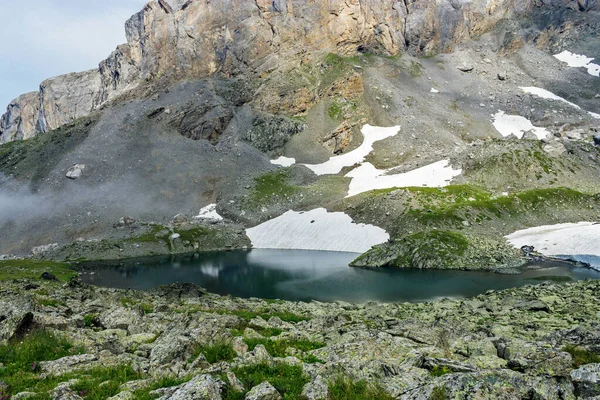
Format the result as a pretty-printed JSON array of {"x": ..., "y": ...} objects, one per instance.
[{"x": 45, "y": 38}]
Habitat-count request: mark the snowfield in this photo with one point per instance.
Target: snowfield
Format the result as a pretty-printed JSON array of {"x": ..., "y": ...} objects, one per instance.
[
  {"x": 578, "y": 241},
  {"x": 284, "y": 161},
  {"x": 579, "y": 61},
  {"x": 367, "y": 177},
  {"x": 316, "y": 230},
  {"x": 545, "y": 94},
  {"x": 516, "y": 125},
  {"x": 209, "y": 213},
  {"x": 371, "y": 135}
]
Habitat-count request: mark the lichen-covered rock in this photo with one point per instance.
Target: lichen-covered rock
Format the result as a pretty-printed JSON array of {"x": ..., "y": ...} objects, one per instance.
[
  {"x": 316, "y": 390},
  {"x": 264, "y": 391},
  {"x": 587, "y": 380},
  {"x": 202, "y": 387}
]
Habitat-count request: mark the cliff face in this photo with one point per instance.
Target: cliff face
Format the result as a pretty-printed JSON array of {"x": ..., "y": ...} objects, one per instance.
[{"x": 197, "y": 38}]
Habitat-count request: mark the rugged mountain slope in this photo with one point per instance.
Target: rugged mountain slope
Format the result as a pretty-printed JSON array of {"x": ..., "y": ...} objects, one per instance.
[{"x": 190, "y": 110}]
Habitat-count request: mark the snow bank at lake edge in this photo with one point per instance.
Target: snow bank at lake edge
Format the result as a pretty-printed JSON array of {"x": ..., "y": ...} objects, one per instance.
[{"x": 317, "y": 229}]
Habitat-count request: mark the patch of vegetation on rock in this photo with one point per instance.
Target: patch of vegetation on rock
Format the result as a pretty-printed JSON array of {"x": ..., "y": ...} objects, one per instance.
[
  {"x": 277, "y": 348},
  {"x": 287, "y": 379},
  {"x": 221, "y": 350},
  {"x": 344, "y": 388},
  {"x": 581, "y": 356},
  {"x": 441, "y": 250}
]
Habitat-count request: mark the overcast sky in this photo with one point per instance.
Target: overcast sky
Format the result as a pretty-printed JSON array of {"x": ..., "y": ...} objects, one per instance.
[{"x": 45, "y": 38}]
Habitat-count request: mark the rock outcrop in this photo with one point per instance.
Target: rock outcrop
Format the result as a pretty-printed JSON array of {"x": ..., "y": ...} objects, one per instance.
[{"x": 175, "y": 39}]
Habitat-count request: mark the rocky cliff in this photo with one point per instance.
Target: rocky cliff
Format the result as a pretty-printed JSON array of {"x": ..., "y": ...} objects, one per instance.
[{"x": 175, "y": 39}]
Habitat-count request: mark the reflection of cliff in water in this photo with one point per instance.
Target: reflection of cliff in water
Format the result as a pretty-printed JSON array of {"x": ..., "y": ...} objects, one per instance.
[{"x": 300, "y": 275}]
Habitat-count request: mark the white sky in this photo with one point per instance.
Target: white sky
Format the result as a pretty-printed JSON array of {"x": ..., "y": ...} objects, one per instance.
[{"x": 45, "y": 38}]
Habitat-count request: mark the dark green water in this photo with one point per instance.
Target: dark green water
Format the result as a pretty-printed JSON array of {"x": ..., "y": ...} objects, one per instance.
[{"x": 316, "y": 275}]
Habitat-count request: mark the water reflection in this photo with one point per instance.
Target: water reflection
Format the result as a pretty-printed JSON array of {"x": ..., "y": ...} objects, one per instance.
[{"x": 307, "y": 275}]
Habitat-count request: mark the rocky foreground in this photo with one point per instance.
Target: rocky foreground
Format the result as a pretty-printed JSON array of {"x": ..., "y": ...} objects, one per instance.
[{"x": 179, "y": 342}]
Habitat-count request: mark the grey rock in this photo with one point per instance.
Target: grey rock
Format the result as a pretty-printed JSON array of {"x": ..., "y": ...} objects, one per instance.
[
  {"x": 64, "y": 393},
  {"x": 202, "y": 387},
  {"x": 23, "y": 395},
  {"x": 264, "y": 391},
  {"x": 587, "y": 380},
  {"x": 75, "y": 171},
  {"x": 68, "y": 364},
  {"x": 316, "y": 390}
]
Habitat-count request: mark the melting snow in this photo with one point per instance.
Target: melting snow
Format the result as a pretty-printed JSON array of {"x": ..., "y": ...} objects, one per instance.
[
  {"x": 209, "y": 213},
  {"x": 434, "y": 90},
  {"x": 316, "y": 230},
  {"x": 284, "y": 161},
  {"x": 579, "y": 61},
  {"x": 516, "y": 125},
  {"x": 545, "y": 94},
  {"x": 371, "y": 135},
  {"x": 579, "y": 239},
  {"x": 367, "y": 177}
]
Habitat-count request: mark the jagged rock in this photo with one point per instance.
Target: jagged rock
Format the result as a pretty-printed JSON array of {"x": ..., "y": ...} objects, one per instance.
[
  {"x": 339, "y": 138},
  {"x": 529, "y": 135},
  {"x": 178, "y": 39},
  {"x": 68, "y": 364},
  {"x": 180, "y": 291},
  {"x": 171, "y": 347},
  {"x": 202, "y": 387},
  {"x": 16, "y": 318},
  {"x": 234, "y": 382},
  {"x": 587, "y": 380},
  {"x": 270, "y": 132},
  {"x": 316, "y": 390},
  {"x": 264, "y": 391},
  {"x": 23, "y": 395},
  {"x": 537, "y": 359}
]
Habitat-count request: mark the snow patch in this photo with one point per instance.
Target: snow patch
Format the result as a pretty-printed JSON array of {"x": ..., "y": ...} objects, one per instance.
[
  {"x": 284, "y": 161},
  {"x": 516, "y": 125},
  {"x": 371, "y": 135},
  {"x": 316, "y": 230},
  {"x": 564, "y": 240},
  {"x": 209, "y": 213},
  {"x": 545, "y": 94},
  {"x": 434, "y": 90},
  {"x": 579, "y": 61},
  {"x": 367, "y": 177}
]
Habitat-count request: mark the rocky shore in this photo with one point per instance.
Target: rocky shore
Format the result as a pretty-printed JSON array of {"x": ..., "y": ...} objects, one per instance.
[{"x": 180, "y": 342}]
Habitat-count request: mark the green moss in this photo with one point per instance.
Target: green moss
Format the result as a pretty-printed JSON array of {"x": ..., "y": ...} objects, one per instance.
[
  {"x": 335, "y": 111},
  {"x": 215, "y": 352},
  {"x": 48, "y": 302},
  {"x": 344, "y": 388},
  {"x": 312, "y": 359},
  {"x": 581, "y": 356},
  {"x": 248, "y": 315},
  {"x": 30, "y": 269},
  {"x": 104, "y": 382},
  {"x": 277, "y": 348},
  {"x": 287, "y": 379},
  {"x": 440, "y": 371}
]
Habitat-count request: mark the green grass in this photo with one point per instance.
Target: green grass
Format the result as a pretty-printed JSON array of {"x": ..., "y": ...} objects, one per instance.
[
  {"x": 101, "y": 383},
  {"x": 344, "y": 388},
  {"x": 581, "y": 356},
  {"x": 287, "y": 379},
  {"x": 30, "y": 269},
  {"x": 215, "y": 352},
  {"x": 48, "y": 302},
  {"x": 21, "y": 360},
  {"x": 270, "y": 187},
  {"x": 335, "y": 111},
  {"x": 164, "y": 382},
  {"x": 91, "y": 320},
  {"x": 277, "y": 348},
  {"x": 439, "y": 393},
  {"x": 312, "y": 359}
]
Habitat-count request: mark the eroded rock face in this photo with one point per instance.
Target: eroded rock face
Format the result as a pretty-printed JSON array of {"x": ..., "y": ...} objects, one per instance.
[{"x": 196, "y": 38}]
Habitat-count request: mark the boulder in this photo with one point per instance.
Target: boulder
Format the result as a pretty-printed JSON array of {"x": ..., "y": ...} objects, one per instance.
[
  {"x": 586, "y": 380},
  {"x": 264, "y": 391},
  {"x": 75, "y": 171},
  {"x": 202, "y": 387}
]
